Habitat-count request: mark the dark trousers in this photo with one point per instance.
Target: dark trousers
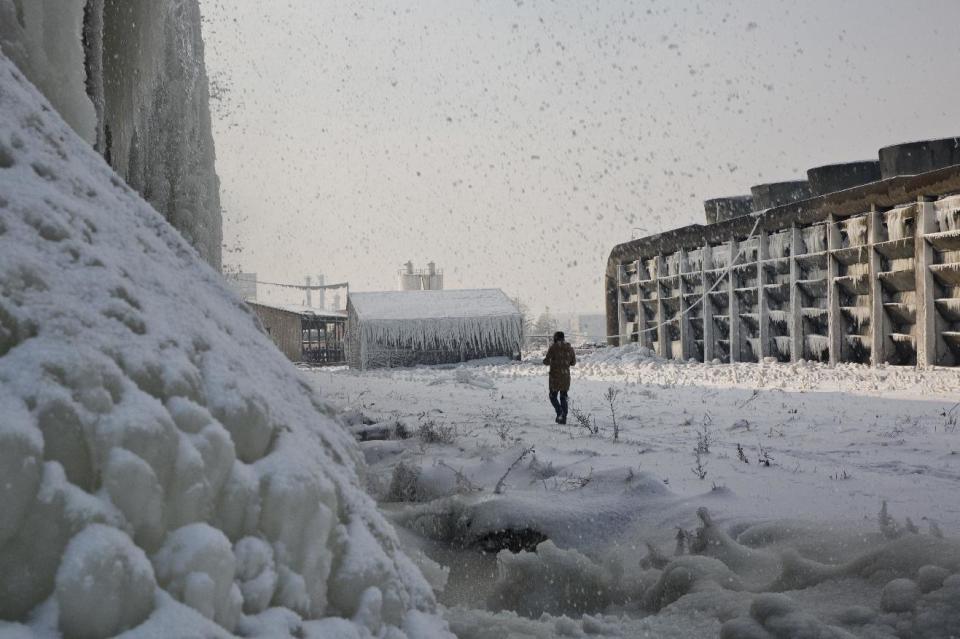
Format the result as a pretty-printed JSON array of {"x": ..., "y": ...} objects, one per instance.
[{"x": 561, "y": 405}]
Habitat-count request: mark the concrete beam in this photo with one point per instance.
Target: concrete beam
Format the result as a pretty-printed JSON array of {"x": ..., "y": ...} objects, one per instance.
[
  {"x": 709, "y": 340},
  {"x": 733, "y": 307}
]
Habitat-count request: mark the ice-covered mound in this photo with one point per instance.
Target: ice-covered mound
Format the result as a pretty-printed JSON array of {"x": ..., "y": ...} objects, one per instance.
[{"x": 162, "y": 466}]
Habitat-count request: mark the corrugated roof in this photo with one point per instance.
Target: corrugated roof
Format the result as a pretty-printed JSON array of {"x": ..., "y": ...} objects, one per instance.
[
  {"x": 301, "y": 310},
  {"x": 425, "y": 305}
]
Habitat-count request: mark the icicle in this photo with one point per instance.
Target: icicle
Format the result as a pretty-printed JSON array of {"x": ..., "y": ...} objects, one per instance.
[
  {"x": 897, "y": 222},
  {"x": 859, "y": 315},
  {"x": 777, "y": 245},
  {"x": 444, "y": 333},
  {"x": 778, "y": 317},
  {"x": 858, "y": 269},
  {"x": 818, "y": 345},
  {"x": 814, "y": 239},
  {"x": 856, "y": 228},
  {"x": 783, "y": 345},
  {"x": 948, "y": 214},
  {"x": 908, "y": 297},
  {"x": 721, "y": 257}
]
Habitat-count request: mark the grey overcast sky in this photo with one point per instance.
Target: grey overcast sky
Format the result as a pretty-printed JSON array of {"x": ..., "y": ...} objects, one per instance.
[{"x": 515, "y": 142}]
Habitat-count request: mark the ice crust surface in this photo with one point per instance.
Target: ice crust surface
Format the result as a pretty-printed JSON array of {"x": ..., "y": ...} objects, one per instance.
[{"x": 164, "y": 470}]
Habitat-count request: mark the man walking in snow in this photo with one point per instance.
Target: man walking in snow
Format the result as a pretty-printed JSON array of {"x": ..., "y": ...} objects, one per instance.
[{"x": 560, "y": 357}]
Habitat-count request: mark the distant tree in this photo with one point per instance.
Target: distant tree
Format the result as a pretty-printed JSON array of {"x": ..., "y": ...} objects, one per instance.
[
  {"x": 527, "y": 318},
  {"x": 544, "y": 327}
]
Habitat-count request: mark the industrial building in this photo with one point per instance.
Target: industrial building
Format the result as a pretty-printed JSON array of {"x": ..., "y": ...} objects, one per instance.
[
  {"x": 858, "y": 263},
  {"x": 305, "y": 335},
  {"x": 409, "y": 328},
  {"x": 428, "y": 279}
]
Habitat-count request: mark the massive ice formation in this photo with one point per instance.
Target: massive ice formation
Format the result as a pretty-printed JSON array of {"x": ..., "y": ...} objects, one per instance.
[
  {"x": 129, "y": 77},
  {"x": 162, "y": 466}
]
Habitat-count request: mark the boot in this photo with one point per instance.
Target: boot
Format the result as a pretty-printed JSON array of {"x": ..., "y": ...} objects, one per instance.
[{"x": 562, "y": 419}]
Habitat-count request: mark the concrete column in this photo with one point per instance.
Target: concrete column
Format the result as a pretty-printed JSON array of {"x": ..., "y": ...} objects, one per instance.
[
  {"x": 796, "y": 297},
  {"x": 663, "y": 331},
  {"x": 879, "y": 322},
  {"x": 733, "y": 307},
  {"x": 834, "y": 317},
  {"x": 763, "y": 310},
  {"x": 641, "y": 318},
  {"x": 926, "y": 310},
  {"x": 709, "y": 343},
  {"x": 645, "y": 338},
  {"x": 621, "y": 316},
  {"x": 686, "y": 332}
]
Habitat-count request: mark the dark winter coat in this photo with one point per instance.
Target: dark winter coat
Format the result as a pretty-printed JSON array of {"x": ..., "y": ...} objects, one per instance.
[{"x": 560, "y": 357}]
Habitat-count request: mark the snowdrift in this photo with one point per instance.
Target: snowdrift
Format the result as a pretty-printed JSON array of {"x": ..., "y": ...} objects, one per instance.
[{"x": 163, "y": 469}]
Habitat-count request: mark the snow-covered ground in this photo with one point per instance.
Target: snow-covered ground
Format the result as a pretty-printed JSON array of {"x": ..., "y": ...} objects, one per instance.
[{"x": 795, "y": 546}]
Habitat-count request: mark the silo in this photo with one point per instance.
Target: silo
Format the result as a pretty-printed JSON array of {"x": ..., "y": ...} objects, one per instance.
[
  {"x": 767, "y": 196},
  {"x": 722, "y": 209},
  {"x": 434, "y": 279},
  {"x": 914, "y": 158},
  {"x": 839, "y": 177},
  {"x": 407, "y": 280}
]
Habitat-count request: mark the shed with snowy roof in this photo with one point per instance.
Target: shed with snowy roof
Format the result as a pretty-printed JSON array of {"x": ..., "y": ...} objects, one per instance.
[
  {"x": 407, "y": 328},
  {"x": 304, "y": 334}
]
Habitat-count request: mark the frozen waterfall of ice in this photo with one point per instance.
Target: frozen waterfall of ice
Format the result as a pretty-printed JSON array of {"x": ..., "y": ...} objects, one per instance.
[
  {"x": 164, "y": 470},
  {"x": 129, "y": 77}
]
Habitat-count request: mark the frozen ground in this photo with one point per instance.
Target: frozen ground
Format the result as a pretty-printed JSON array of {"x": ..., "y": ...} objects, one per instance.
[{"x": 805, "y": 530}]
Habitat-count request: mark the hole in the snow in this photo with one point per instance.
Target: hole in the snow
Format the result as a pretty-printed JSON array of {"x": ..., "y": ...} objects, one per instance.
[
  {"x": 44, "y": 171},
  {"x": 128, "y": 319},
  {"x": 6, "y": 157},
  {"x": 122, "y": 293},
  {"x": 523, "y": 539}
]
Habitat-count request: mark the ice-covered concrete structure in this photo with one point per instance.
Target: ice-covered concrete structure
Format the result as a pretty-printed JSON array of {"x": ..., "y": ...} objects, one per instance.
[
  {"x": 164, "y": 470},
  {"x": 129, "y": 77},
  {"x": 406, "y": 328},
  {"x": 861, "y": 263}
]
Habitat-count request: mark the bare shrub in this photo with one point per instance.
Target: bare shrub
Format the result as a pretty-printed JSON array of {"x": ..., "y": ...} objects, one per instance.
[
  {"x": 611, "y": 397},
  {"x": 541, "y": 470},
  {"x": 585, "y": 420},
  {"x": 430, "y": 432},
  {"x": 742, "y": 456},
  {"x": 498, "y": 489},
  {"x": 763, "y": 456},
  {"x": 400, "y": 430},
  {"x": 464, "y": 485},
  {"x": 704, "y": 436},
  {"x": 404, "y": 484},
  {"x": 699, "y": 469}
]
